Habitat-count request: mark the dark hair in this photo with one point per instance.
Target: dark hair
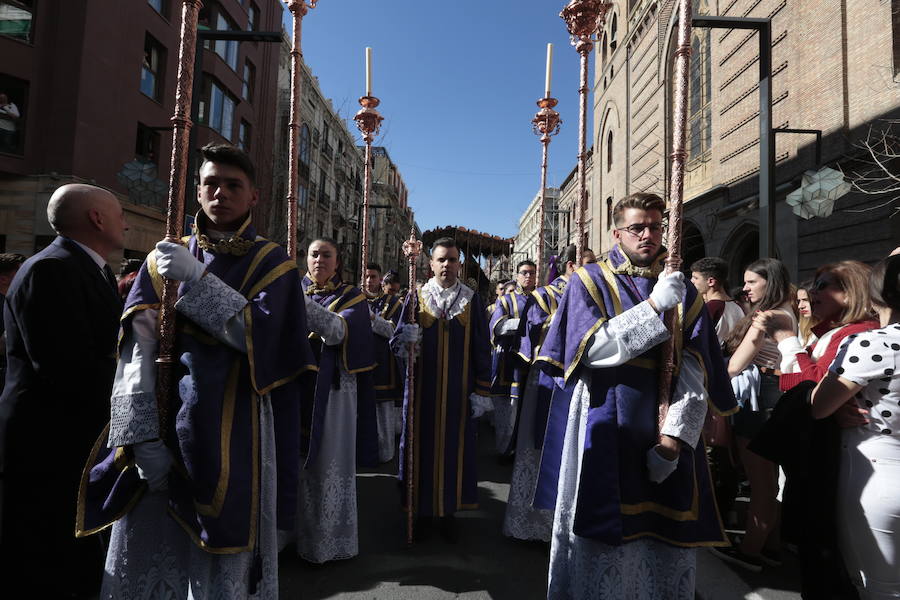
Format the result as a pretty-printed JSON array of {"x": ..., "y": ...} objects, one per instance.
[
  {"x": 530, "y": 263},
  {"x": 391, "y": 277},
  {"x": 373, "y": 267},
  {"x": 712, "y": 266},
  {"x": 641, "y": 200},
  {"x": 444, "y": 242},
  {"x": 570, "y": 254},
  {"x": 10, "y": 262},
  {"x": 884, "y": 283},
  {"x": 337, "y": 250},
  {"x": 778, "y": 291},
  {"x": 226, "y": 154}
]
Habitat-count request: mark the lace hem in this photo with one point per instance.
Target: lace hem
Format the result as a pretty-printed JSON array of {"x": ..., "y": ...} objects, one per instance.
[
  {"x": 211, "y": 303},
  {"x": 638, "y": 329}
]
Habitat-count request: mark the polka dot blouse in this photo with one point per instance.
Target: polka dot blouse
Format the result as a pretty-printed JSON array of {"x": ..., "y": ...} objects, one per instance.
[{"x": 872, "y": 359}]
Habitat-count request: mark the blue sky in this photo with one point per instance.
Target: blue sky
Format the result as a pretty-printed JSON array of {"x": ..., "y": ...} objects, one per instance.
[{"x": 458, "y": 82}]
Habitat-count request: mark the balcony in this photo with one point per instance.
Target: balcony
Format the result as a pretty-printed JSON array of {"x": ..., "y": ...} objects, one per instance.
[{"x": 327, "y": 151}]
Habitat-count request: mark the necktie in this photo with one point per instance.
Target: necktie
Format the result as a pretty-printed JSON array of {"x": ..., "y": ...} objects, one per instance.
[{"x": 111, "y": 278}]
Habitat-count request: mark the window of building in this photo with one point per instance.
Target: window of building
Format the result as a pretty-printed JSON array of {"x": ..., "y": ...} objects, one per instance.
[
  {"x": 244, "y": 136},
  {"x": 609, "y": 212},
  {"x": 322, "y": 195},
  {"x": 226, "y": 49},
  {"x": 217, "y": 108},
  {"x": 152, "y": 68},
  {"x": 252, "y": 17},
  {"x": 699, "y": 125},
  {"x": 609, "y": 151},
  {"x": 302, "y": 195},
  {"x": 303, "y": 147},
  {"x": 249, "y": 83},
  {"x": 13, "y": 108},
  {"x": 613, "y": 30},
  {"x": 17, "y": 19},
  {"x": 146, "y": 147},
  {"x": 604, "y": 51},
  {"x": 160, "y": 6}
]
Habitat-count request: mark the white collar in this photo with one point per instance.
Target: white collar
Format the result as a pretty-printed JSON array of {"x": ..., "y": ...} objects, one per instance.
[
  {"x": 101, "y": 262},
  {"x": 448, "y": 302}
]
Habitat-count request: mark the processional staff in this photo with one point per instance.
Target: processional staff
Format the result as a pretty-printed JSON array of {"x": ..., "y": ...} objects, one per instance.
[
  {"x": 181, "y": 121},
  {"x": 298, "y": 9},
  {"x": 546, "y": 124},
  {"x": 411, "y": 249},
  {"x": 681, "y": 73},
  {"x": 369, "y": 122}
]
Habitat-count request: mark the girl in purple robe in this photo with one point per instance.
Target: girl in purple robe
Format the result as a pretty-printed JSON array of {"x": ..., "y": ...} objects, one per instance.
[{"x": 343, "y": 411}]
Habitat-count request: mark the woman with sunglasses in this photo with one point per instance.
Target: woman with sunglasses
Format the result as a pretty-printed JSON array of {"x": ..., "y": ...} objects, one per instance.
[
  {"x": 753, "y": 366},
  {"x": 866, "y": 373}
]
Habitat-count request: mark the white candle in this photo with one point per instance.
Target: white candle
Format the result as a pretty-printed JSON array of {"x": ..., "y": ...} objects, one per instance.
[
  {"x": 368, "y": 71},
  {"x": 549, "y": 68}
]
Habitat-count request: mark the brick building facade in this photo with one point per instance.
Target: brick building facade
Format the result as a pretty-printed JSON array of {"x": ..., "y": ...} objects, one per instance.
[{"x": 834, "y": 66}]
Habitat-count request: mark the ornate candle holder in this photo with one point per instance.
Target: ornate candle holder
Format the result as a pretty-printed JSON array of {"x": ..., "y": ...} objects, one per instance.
[
  {"x": 583, "y": 19},
  {"x": 298, "y": 9},
  {"x": 546, "y": 124},
  {"x": 412, "y": 248},
  {"x": 368, "y": 120}
]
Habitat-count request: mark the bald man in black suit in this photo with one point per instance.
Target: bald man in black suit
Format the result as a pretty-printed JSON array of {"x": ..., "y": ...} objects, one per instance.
[{"x": 62, "y": 314}]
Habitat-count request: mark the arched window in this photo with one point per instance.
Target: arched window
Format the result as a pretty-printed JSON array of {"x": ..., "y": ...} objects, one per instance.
[
  {"x": 609, "y": 210},
  {"x": 613, "y": 28},
  {"x": 609, "y": 151},
  {"x": 604, "y": 51},
  {"x": 303, "y": 150},
  {"x": 699, "y": 125}
]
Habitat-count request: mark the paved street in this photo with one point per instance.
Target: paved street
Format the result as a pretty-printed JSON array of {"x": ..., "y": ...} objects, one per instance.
[{"x": 483, "y": 565}]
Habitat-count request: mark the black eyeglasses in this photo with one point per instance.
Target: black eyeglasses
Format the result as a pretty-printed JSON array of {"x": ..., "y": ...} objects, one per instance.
[{"x": 638, "y": 228}]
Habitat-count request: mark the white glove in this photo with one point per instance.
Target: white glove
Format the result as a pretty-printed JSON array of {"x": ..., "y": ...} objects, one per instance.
[
  {"x": 658, "y": 467},
  {"x": 480, "y": 405},
  {"x": 176, "y": 262},
  {"x": 509, "y": 326},
  {"x": 411, "y": 334},
  {"x": 153, "y": 461},
  {"x": 668, "y": 291}
]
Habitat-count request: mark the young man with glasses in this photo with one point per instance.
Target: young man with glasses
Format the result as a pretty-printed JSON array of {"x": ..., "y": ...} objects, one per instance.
[
  {"x": 508, "y": 372},
  {"x": 645, "y": 503}
]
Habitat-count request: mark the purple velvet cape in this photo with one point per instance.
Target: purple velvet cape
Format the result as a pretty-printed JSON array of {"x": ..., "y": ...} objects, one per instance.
[
  {"x": 616, "y": 501},
  {"x": 356, "y": 354},
  {"x": 387, "y": 373},
  {"x": 508, "y": 373},
  {"x": 213, "y": 425},
  {"x": 454, "y": 362},
  {"x": 541, "y": 304}
]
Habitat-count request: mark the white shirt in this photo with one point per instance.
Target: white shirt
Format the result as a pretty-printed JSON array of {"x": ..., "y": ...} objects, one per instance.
[{"x": 101, "y": 262}]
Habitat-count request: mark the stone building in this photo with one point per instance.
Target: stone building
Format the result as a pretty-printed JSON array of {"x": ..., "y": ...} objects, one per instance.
[
  {"x": 390, "y": 217},
  {"x": 526, "y": 241},
  {"x": 330, "y": 169},
  {"x": 834, "y": 67},
  {"x": 95, "y": 85}
]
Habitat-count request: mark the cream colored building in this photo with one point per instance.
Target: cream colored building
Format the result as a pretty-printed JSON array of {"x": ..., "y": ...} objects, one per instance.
[{"x": 526, "y": 241}]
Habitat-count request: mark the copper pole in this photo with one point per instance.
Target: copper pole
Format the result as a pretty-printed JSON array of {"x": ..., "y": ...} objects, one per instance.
[
  {"x": 298, "y": 8},
  {"x": 411, "y": 248},
  {"x": 583, "y": 18},
  {"x": 546, "y": 124},
  {"x": 181, "y": 121},
  {"x": 681, "y": 73},
  {"x": 369, "y": 122}
]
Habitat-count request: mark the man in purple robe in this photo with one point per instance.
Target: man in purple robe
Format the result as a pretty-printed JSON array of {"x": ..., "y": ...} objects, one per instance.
[
  {"x": 633, "y": 503},
  {"x": 525, "y": 517},
  {"x": 385, "y": 309},
  {"x": 196, "y": 489},
  {"x": 508, "y": 372},
  {"x": 451, "y": 386}
]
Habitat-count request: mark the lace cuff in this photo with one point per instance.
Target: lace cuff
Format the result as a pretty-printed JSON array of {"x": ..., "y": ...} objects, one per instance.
[
  {"x": 382, "y": 327},
  {"x": 211, "y": 304},
  {"x": 328, "y": 325},
  {"x": 638, "y": 329},
  {"x": 133, "y": 418},
  {"x": 687, "y": 412}
]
